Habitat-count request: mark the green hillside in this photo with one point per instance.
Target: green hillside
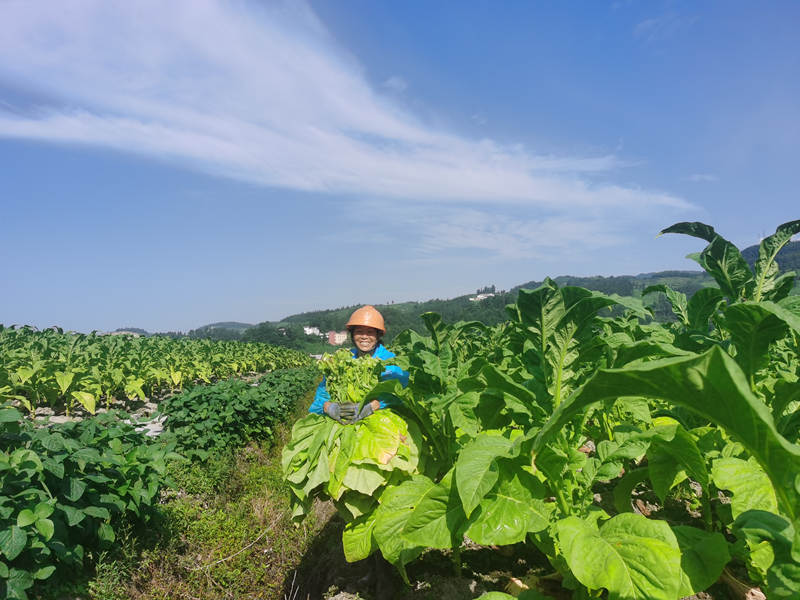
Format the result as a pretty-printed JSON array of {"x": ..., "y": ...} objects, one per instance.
[
  {"x": 788, "y": 258},
  {"x": 491, "y": 310},
  {"x": 232, "y": 325}
]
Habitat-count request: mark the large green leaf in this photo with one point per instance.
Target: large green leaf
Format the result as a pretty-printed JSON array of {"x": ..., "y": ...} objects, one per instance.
[
  {"x": 693, "y": 228},
  {"x": 339, "y": 460},
  {"x": 783, "y": 576},
  {"x": 75, "y": 489},
  {"x": 46, "y": 527},
  {"x": 10, "y": 415},
  {"x": 540, "y": 311},
  {"x": 357, "y": 540},
  {"x": 18, "y": 581},
  {"x": 382, "y": 437},
  {"x": 308, "y": 436},
  {"x": 12, "y": 542},
  {"x": 629, "y": 555},
  {"x": 64, "y": 380},
  {"x": 676, "y": 299},
  {"x": 558, "y": 325},
  {"x": 704, "y": 555},
  {"x": 44, "y": 572},
  {"x": 751, "y": 488},
  {"x": 516, "y": 398},
  {"x": 645, "y": 351},
  {"x": 461, "y": 410},
  {"x": 766, "y": 281},
  {"x": 673, "y": 454},
  {"x": 317, "y": 476},
  {"x": 418, "y": 514},
  {"x": 477, "y": 470},
  {"x": 702, "y": 305},
  {"x": 753, "y": 327},
  {"x": 512, "y": 509},
  {"x": 721, "y": 259},
  {"x": 356, "y": 504},
  {"x": 74, "y": 515},
  {"x": 88, "y": 401},
  {"x": 363, "y": 478},
  {"x": 711, "y": 385}
]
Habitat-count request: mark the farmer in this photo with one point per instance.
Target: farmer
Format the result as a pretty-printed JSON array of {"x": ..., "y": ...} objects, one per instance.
[{"x": 366, "y": 330}]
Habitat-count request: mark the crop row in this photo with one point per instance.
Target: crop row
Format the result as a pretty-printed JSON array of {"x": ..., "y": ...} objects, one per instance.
[
  {"x": 59, "y": 369},
  {"x": 638, "y": 458},
  {"x": 67, "y": 488}
]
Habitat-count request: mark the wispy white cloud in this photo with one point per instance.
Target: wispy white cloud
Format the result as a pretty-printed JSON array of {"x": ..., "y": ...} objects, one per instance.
[
  {"x": 479, "y": 118},
  {"x": 663, "y": 27},
  {"x": 257, "y": 93},
  {"x": 509, "y": 237},
  {"x": 396, "y": 84},
  {"x": 703, "y": 177},
  {"x": 261, "y": 93},
  {"x": 441, "y": 233},
  {"x": 621, "y": 4}
]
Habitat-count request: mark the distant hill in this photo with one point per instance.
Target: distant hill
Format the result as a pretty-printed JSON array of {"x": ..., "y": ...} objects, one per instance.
[
  {"x": 136, "y": 330},
  {"x": 233, "y": 325},
  {"x": 491, "y": 310},
  {"x": 687, "y": 282},
  {"x": 788, "y": 258},
  {"x": 223, "y": 330}
]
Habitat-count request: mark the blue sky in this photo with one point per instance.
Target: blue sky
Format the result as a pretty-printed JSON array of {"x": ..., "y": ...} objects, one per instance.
[{"x": 167, "y": 165}]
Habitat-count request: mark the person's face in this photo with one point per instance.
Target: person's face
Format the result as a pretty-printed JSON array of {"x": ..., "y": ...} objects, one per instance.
[{"x": 365, "y": 338}]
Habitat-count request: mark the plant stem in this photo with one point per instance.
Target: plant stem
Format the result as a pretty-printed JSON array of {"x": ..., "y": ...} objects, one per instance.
[
  {"x": 457, "y": 560},
  {"x": 562, "y": 501}
]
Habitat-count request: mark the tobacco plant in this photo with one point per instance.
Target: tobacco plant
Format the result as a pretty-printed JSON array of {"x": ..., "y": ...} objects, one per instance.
[
  {"x": 67, "y": 370},
  {"x": 639, "y": 458}
]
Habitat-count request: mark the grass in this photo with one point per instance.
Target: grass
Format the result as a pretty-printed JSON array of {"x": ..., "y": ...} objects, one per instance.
[{"x": 231, "y": 534}]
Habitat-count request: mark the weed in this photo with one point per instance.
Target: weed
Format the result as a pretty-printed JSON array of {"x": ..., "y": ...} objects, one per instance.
[{"x": 111, "y": 578}]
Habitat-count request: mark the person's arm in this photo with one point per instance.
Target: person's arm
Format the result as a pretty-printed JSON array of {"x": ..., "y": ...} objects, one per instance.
[
  {"x": 395, "y": 372},
  {"x": 392, "y": 372},
  {"x": 320, "y": 398}
]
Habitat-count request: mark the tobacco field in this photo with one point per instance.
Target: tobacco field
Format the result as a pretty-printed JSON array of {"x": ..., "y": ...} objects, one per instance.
[
  {"x": 69, "y": 487},
  {"x": 638, "y": 459},
  {"x": 634, "y": 459}
]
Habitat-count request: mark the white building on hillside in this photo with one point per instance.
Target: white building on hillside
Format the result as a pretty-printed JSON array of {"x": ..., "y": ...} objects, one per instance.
[
  {"x": 337, "y": 338},
  {"x": 480, "y": 297}
]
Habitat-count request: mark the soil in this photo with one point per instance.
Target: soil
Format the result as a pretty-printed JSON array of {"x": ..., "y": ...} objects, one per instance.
[{"x": 324, "y": 573}]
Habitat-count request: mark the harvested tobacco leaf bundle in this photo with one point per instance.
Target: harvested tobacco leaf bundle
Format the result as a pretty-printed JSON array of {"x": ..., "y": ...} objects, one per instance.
[
  {"x": 351, "y": 464},
  {"x": 348, "y": 379}
]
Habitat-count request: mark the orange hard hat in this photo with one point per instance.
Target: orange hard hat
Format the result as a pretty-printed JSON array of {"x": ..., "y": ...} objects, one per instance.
[{"x": 368, "y": 316}]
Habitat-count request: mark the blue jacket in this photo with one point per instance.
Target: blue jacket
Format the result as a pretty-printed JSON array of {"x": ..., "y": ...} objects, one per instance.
[{"x": 392, "y": 372}]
